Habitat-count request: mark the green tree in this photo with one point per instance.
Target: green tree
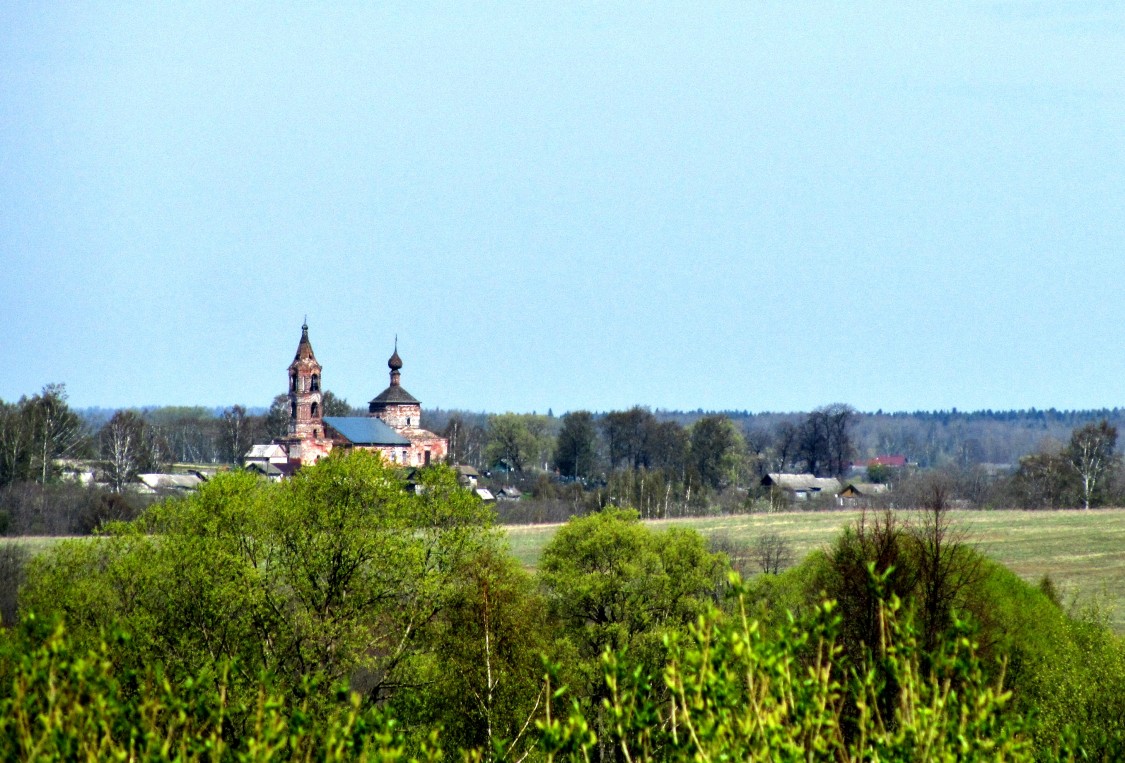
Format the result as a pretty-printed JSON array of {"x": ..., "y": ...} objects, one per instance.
[
  {"x": 334, "y": 574},
  {"x": 576, "y": 447},
  {"x": 331, "y": 405},
  {"x": 1044, "y": 480},
  {"x": 511, "y": 441},
  {"x": 488, "y": 644},
  {"x": 716, "y": 448},
  {"x": 879, "y": 473},
  {"x": 277, "y": 419},
  {"x": 627, "y": 435},
  {"x": 613, "y": 583},
  {"x": 668, "y": 446}
]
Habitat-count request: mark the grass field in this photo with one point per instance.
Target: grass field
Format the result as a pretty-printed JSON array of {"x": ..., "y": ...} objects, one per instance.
[{"x": 1082, "y": 551}]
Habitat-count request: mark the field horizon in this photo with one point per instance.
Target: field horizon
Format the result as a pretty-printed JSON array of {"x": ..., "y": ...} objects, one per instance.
[{"x": 1083, "y": 551}]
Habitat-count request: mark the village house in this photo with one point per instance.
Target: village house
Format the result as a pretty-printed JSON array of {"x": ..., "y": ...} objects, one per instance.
[
  {"x": 802, "y": 486},
  {"x": 861, "y": 495},
  {"x": 392, "y": 427}
]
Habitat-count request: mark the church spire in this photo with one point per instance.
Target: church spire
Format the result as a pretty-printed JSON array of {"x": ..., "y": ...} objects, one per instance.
[
  {"x": 304, "y": 347},
  {"x": 395, "y": 364}
]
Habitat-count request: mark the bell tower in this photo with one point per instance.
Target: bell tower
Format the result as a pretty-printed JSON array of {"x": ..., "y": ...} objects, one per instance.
[{"x": 305, "y": 398}]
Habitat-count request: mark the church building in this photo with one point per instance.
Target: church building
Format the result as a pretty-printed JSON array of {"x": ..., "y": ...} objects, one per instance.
[{"x": 393, "y": 426}]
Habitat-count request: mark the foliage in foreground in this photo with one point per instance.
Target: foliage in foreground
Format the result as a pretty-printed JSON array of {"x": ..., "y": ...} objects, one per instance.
[
  {"x": 731, "y": 689},
  {"x": 61, "y": 702},
  {"x": 738, "y": 691}
]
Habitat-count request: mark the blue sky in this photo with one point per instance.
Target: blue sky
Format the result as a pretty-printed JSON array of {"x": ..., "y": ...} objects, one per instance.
[{"x": 763, "y": 206}]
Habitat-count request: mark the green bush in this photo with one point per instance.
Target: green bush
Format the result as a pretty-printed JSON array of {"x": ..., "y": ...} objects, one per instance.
[
  {"x": 739, "y": 691},
  {"x": 61, "y": 702}
]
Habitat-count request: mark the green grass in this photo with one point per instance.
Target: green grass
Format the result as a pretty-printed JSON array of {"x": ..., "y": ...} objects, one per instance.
[{"x": 1082, "y": 551}]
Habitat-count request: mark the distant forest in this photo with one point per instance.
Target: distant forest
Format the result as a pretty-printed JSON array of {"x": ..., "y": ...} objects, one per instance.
[{"x": 929, "y": 439}]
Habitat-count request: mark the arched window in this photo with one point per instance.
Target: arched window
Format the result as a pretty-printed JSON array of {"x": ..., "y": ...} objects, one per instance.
[
  {"x": 407, "y": 421},
  {"x": 316, "y": 382},
  {"x": 293, "y": 410},
  {"x": 315, "y": 408},
  {"x": 292, "y": 382}
]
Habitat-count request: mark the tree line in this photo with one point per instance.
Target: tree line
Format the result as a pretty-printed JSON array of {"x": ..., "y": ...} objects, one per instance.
[{"x": 662, "y": 463}]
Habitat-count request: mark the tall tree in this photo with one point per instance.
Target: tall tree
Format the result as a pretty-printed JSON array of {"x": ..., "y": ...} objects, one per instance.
[
  {"x": 510, "y": 441},
  {"x": 57, "y": 430},
  {"x": 612, "y": 582},
  {"x": 786, "y": 444},
  {"x": 715, "y": 449},
  {"x": 128, "y": 447},
  {"x": 16, "y": 442},
  {"x": 467, "y": 438},
  {"x": 1091, "y": 453},
  {"x": 668, "y": 444},
  {"x": 1044, "y": 480},
  {"x": 627, "y": 435},
  {"x": 277, "y": 419},
  {"x": 332, "y": 405},
  {"x": 576, "y": 446},
  {"x": 824, "y": 442},
  {"x": 237, "y": 435}
]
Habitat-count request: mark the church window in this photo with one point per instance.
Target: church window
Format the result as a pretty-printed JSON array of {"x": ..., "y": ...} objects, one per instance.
[
  {"x": 293, "y": 382},
  {"x": 427, "y": 458},
  {"x": 316, "y": 383},
  {"x": 407, "y": 421},
  {"x": 293, "y": 410},
  {"x": 315, "y": 409}
]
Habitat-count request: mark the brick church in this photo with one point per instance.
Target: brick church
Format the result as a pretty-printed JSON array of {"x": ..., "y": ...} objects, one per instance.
[{"x": 392, "y": 426}]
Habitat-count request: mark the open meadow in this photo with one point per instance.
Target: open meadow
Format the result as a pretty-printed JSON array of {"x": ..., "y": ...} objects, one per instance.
[{"x": 1082, "y": 551}]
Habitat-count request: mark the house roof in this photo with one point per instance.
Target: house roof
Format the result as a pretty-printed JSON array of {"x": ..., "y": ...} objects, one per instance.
[
  {"x": 395, "y": 393},
  {"x": 270, "y": 470},
  {"x": 865, "y": 488},
  {"x": 170, "y": 481},
  {"x": 802, "y": 482},
  {"x": 365, "y": 430},
  {"x": 273, "y": 450},
  {"x": 895, "y": 461}
]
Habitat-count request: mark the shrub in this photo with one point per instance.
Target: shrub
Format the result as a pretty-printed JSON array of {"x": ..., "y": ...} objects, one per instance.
[{"x": 739, "y": 691}]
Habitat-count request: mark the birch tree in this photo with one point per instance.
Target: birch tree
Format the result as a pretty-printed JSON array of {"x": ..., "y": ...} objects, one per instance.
[
  {"x": 57, "y": 430},
  {"x": 15, "y": 442},
  {"x": 1091, "y": 453},
  {"x": 123, "y": 449}
]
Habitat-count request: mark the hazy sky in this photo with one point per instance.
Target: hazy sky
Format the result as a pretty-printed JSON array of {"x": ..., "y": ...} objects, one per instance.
[{"x": 763, "y": 206}]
